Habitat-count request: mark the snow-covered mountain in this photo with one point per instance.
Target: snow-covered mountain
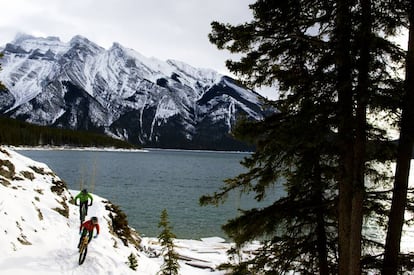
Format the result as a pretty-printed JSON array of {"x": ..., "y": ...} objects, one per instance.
[
  {"x": 39, "y": 230},
  {"x": 117, "y": 91}
]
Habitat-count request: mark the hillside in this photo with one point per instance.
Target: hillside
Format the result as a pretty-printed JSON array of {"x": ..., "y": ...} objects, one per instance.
[{"x": 39, "y": 225}]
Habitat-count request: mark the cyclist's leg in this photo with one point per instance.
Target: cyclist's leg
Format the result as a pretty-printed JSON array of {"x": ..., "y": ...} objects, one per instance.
[
  {"x": 90, "y": 236},
  {"x": 84, "y": 205},
  {"x": 80, "y": 209},
  {"x": 86, "y": 208}
]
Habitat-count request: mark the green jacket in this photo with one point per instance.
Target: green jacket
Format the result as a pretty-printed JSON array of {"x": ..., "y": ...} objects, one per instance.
[{"x": 83, "y": 197}]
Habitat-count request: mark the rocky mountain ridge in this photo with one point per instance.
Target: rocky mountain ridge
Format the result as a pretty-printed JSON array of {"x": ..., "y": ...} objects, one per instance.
[{"x": 148, "y": 102}]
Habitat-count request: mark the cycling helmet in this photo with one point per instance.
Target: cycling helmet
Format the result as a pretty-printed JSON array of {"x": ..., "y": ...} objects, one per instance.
[{"x": 94, "y": 220}]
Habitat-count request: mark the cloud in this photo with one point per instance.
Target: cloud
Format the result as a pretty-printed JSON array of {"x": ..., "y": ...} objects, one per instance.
[
  {"x": 160, "y": 28},
  {"x": 164, "y": 29}
]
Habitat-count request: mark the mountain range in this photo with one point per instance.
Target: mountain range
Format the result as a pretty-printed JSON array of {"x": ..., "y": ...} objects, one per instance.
[{"x": 117, "y": 91}]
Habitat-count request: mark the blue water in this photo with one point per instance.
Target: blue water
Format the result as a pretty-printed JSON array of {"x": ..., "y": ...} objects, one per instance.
[{"x": 144, "y": 183}]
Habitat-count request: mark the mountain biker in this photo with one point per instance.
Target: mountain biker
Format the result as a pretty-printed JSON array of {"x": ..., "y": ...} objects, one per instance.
[
  {"x": 88, "y": 227},
  {"x": 83, "y": 197}
]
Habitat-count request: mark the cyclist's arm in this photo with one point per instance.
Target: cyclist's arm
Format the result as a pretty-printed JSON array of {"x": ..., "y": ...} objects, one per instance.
[{"x": 91, "y": 198}]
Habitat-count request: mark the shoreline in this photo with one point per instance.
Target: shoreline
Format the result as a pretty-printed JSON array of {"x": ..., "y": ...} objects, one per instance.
[
  {"x": 69, "y": 148},
  {"x": 113, "y": 149}
]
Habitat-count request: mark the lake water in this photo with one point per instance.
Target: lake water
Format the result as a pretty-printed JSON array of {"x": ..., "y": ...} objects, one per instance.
[{"x": 144, "y": 183}]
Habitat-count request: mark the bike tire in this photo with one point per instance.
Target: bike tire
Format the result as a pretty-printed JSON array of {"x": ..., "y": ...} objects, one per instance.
[
  {"x": 82, "y": 255},
  {"x": 83, "y": 250},
  {"x": 83, "y": 213}
]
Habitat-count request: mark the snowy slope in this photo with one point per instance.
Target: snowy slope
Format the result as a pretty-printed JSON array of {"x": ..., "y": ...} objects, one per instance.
[
  {"x": 118, "y": 91},
  {"x": 39, "y": 230},
  {"x": 37, "y": 239}
]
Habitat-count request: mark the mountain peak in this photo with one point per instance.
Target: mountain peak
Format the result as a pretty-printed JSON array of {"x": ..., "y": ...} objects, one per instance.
[
  {"x": 81, "y": 40},
  {"x": 53, "y": 38},
  {"x": 201, "y": 73},
  {"x": 118, "y": 48},
  {"x": 21, "y": 37},
  {"x": 117, "y": 45},
  {"x": 88, "y": 47},
  {"x": 31, "y": 43},
  {"x": 119, "y": 92}
]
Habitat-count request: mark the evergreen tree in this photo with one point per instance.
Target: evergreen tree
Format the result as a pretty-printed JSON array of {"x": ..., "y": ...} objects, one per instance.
[
  {"x": 291, "y": 145},
  {"x": 15, "y": 132},
  {"x": 166, "y": 238},
  {"x": 404, "y": 156},
  {"x": 333, "y": 64},
  {"x": 132, "y": 261},
  {"x": 342, "y": 39}
]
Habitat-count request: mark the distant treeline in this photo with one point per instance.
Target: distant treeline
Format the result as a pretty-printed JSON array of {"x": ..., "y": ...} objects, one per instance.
[{"x": 15, "y": 132}]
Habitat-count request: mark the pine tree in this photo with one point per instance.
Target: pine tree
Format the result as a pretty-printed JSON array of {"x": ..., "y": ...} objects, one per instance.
[
  {"x": 166, "y": 238},
  {"x": 290, "y": 145},
  {"x": 132, "y": 261},
  {"x": 331, "y": 62},
  {"x": 404, "y": 156}
]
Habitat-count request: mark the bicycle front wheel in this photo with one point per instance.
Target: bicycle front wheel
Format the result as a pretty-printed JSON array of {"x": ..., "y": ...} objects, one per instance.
[{"x": 82, "y": 254}]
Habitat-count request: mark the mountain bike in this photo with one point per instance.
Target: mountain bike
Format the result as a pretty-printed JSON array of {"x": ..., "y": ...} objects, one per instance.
[{"x": 83, "y": 248}]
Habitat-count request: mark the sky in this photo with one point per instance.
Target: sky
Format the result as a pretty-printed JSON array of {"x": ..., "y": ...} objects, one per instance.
[{"x": 163, "y": 29}]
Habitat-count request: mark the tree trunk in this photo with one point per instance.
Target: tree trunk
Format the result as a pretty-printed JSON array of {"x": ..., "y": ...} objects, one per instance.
[
  {"x": 345, "y": 131},
  {"x": 360, "y": 138},
  {"x": 405, "y": 146},
  {"x": 321, "y": 235},
  {"x": 322, "y": 244}
]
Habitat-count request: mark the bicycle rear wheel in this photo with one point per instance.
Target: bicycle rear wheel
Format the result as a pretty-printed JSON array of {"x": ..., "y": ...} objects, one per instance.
[{"x": 83, "y": 213}]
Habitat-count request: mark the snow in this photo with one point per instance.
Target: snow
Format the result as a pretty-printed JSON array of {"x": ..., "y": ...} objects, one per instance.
[
  {"x": 252, "y": 97},
  {"x": 28, "y": 43},
  {"x": 25, "y": 84},
  {"x": 120, "y": 82},
  {"x": 206, "y": 76},
  {"x": 107, "y": 63},
  {"x": 37, "y": 239}
]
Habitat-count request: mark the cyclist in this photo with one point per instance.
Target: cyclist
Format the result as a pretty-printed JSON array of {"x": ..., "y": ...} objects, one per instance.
[
  {"x": 88, "y": 227},
  {"x": 83, "y": 197}
]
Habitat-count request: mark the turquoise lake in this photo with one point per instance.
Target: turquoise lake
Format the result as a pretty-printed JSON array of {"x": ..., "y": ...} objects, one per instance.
[{"x": 144, "y": 183}]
